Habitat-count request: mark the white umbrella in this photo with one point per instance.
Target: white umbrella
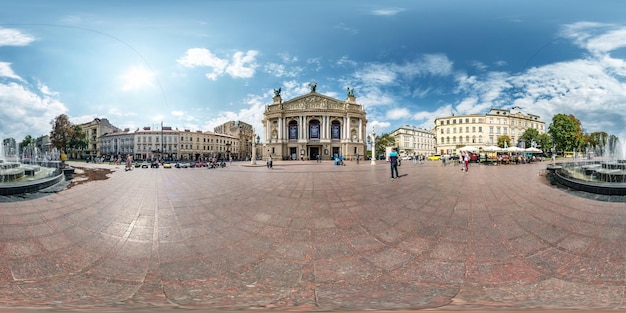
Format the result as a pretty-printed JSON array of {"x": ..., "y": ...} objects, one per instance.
[
  {"x": 468, "y": 148},
  {"x": 513, "y": 149},
  {"x": 492, "y": 149},
  {"x": 533, "y": 150}
]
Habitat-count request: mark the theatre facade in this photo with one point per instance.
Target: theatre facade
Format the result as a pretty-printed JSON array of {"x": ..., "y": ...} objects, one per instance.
[{"x": 313, "y": 125}]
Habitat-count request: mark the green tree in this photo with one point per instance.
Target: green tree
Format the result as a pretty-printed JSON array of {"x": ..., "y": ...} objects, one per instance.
[
  {"x": 79, "y": 138},
  {"x": 596, "y": 142},
  {"x": 28, "y": 141},
  {"x": 383, "y": 141},
  {"x": 544, "y": 142},
  {"x": 529, "y": 136},
  {"x": 565, "y": 132},
  {"x": 502, "y": 139},
  {"x": 62, "y": 131}
]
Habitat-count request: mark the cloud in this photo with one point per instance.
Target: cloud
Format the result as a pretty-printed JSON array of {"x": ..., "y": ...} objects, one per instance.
[
  {"x": 396, "y": 114},
  {"x": 13, "y": 37},
  {"x": 280, "y": 70},
  {"x": 347, "y": 29},
  {"x": 7, "y": 71},
  {"x": 387, "y": 11},
  {"x": 241, "y": 65},
  {"x": 24, "y": 112}
]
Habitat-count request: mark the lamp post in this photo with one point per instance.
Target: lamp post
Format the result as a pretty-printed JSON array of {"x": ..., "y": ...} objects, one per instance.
[
  {"x": 373, "y": 136},
  {"x": 253, "y": 160}
]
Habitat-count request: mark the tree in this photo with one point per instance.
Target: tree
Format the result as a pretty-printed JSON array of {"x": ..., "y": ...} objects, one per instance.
[
  {"x": 28, "y": 141},
  {"x": 383, "y": 141},
  {"x": 529, "y": 136},
  {"x": 79, "y": 138},
  {"x": 504, "y": 139},
  {"x": 565, "y": 132},
  {"x": 62, "y": 131},
  {"x": 544, "y": 142},
  {"x": 596, "y": 142}
]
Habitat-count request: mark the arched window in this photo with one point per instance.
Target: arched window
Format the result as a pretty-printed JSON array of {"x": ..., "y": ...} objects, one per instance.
[
  {"x": 293, "y": 130},
  {"x": 314, "y": 130},
  {"x": 335, "y": 130}
]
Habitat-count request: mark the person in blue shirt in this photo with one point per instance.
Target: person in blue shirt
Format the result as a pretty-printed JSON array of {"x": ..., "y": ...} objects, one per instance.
[{"x": 393, "y": 161}]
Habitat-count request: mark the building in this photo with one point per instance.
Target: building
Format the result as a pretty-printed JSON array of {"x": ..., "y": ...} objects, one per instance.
[
  {"x": 117, "y": 144},
  {"x": 94, "y": 131},
  {"x": 151, "y": 144},
  {"x": 314, "y": 125},
  {"x": 244, "y": 132},
  {"x": 413, "y": 141},
  {"x": 199, "y": 145},
  {"x": 452, "y": 132}
]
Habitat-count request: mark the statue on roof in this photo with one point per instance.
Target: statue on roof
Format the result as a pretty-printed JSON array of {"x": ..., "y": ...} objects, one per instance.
[
  {"x": 313, "y": 86},
  {"x": 277, "y": 92},
  {"x": 350, "y": 92}
]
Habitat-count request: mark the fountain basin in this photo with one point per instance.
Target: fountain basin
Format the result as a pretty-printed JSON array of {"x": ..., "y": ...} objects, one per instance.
[
  {"x": 28, "y": 186},
  {"x": 602, "y": 178}
]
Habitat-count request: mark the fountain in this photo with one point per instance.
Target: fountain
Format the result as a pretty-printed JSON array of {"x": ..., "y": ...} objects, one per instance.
[
  {"x": 601, "y": 171},
  {"x": 29, "y": 173}
]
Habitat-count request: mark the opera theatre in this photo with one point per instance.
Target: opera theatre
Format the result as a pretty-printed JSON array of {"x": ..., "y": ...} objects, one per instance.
[{"x": 314, "y": 125}]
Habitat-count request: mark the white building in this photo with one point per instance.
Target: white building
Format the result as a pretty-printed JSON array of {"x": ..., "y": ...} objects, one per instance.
[{"x": 413, "y": 141}]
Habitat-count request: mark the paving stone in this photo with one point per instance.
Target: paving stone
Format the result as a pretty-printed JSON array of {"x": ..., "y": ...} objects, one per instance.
[{"x": 313, "y": 237}]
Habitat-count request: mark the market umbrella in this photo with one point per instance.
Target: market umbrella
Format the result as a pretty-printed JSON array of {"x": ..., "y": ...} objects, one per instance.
[
  {"x": 468, "y": 148},
  {"x": 492, "y": 149},
  {"x": 513, "y": 149},
  {"x": 533, "y": 150}
]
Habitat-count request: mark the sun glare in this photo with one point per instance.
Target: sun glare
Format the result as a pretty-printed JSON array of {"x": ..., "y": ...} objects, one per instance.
[{"x": 137, "y": 78}]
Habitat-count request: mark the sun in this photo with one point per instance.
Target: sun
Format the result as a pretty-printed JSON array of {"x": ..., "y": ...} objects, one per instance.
[{"x": 137, "y": 77}]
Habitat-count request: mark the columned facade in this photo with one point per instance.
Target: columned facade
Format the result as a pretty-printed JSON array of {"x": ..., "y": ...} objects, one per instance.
[{"x": 314, "y": 125}]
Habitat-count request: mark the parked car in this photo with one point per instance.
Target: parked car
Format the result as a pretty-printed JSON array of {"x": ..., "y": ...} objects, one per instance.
[
  {"x": 137, "y": 164},
  {"x": 199, "y": 164},
  {"x": 167, "y": 165},
  {"x": 181, "y": 165},
  {"x": 154, "y": 164},
  {"x": 434, "y": 157},
  {"x": 145, "y": 164}
]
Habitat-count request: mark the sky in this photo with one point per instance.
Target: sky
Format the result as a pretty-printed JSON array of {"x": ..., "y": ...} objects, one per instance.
[{"x": 195, "y": 64}]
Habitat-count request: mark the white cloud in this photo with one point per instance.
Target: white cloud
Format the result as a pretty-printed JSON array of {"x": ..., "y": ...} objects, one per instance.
[
  {"x": 347, "y": 29},
  {"x": 243, "y": 65},
  {"x": 7, "y": 71},
  {"x": 398, "y": 113},
  {"x": 13, "y": 37},
  {"x": 387, "y": 11},
  {"x": 25, "y": 112},
  {"x": 376, "y": 74}
]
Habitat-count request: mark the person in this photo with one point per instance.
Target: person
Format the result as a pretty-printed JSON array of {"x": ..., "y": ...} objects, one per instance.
[
  {"x": 465, "y": 164},
  {"x": 269, "y": 161},
  {"x": 319, "y": 159},
  {"x": 393, "y": 161},
  {"x": 63, "y": 159},
  {"x": 357, "y": 158},
  {"x": 128, "y": 163}
]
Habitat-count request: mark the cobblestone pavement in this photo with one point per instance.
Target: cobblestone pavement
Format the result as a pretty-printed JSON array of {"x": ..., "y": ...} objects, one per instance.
[{"x": 313, "y": 237}]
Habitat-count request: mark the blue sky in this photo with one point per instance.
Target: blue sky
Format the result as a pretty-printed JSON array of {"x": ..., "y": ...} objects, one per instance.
[{"x": 196, "y": 64}]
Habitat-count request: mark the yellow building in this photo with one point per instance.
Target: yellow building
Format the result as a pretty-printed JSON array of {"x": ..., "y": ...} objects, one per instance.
[{"x": 452, "y": 132}]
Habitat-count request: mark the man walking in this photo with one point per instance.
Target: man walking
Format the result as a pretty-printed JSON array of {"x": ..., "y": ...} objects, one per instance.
[{"x": 393, "y": 161}]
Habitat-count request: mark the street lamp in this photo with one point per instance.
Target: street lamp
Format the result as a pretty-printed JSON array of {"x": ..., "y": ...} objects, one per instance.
[
  {"x": 253, "y": 160},
  {"x": 373, "y": 136}
]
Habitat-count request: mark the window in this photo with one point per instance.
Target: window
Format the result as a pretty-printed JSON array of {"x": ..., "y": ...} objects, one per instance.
[
  {"x": 314, "y": 130},
  {"x": 335, "y": 130},
  {"x": 293, "y": 130}
]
